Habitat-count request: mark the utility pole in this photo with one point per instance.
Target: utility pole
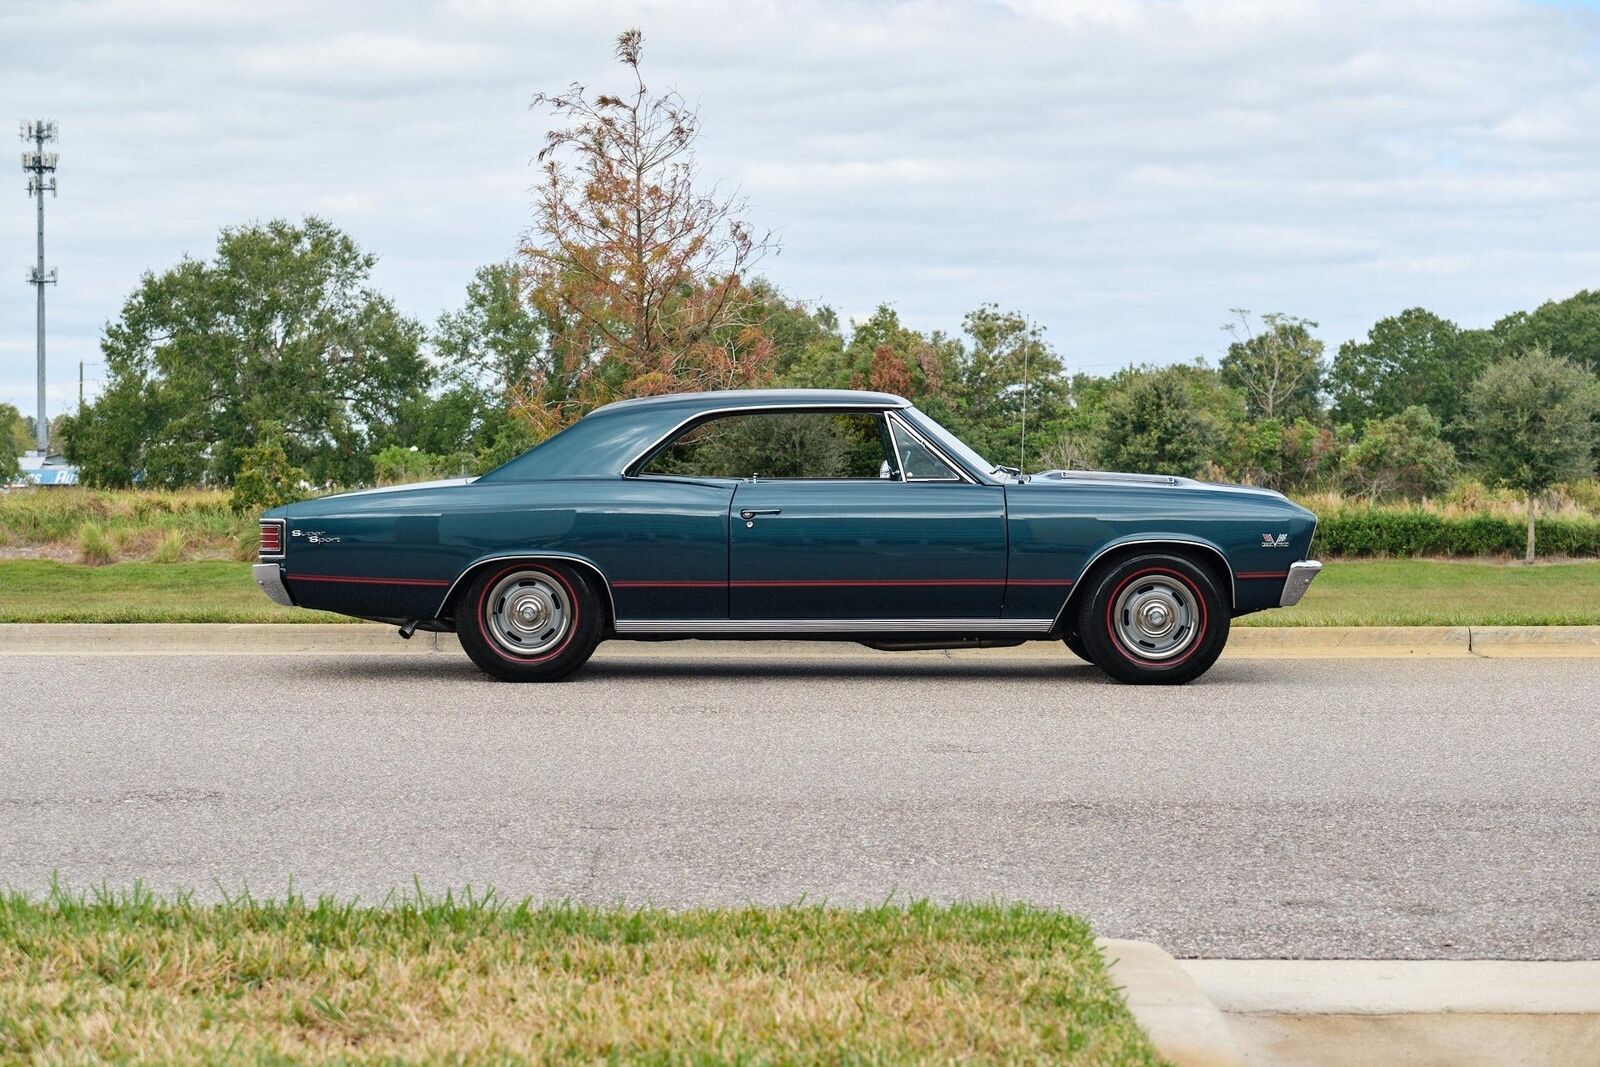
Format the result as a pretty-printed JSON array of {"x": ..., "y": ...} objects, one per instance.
[{"x": 38, "y": 163}]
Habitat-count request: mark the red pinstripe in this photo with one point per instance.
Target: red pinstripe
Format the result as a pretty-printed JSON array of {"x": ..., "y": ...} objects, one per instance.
[
  {"x": 365, "y": 581},
  {"x": 830, "y": 582}
]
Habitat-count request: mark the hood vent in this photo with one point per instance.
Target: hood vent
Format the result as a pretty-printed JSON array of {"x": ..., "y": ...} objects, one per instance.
[{"x": 1108, "y": 476}]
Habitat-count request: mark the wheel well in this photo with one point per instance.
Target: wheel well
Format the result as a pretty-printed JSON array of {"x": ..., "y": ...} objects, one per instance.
[
  {"x": 1205, "y": 557},
  {"x": 468, "y": 576}
]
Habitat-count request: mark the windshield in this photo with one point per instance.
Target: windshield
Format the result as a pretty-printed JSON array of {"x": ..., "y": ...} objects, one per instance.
[{"x": 949, "y": 442}]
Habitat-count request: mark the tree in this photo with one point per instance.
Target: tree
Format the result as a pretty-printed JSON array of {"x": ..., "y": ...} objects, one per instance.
[
  {"x": 486, "y": 350},
  {"x": 1532, "y": 421},
  {"x": 1279, "y": 368},
  {"x": 15, "y": 439},
  {"x": 1568, "y": 329},
  {"x": 496, "y": 339},
  {"x": 807, "y": 342},
  {"x": 1411, "y": 358},
  {"x": 1298, "y": 456},
  {"x": 1153, "y": 425},
  {"x": 1008, "y": 369},
  {"x": 280, "y": 326},
  {"x": 266, "y": 477},
  {"x": 638, "y": 272},
  {"x": 1403, "y": 455}
]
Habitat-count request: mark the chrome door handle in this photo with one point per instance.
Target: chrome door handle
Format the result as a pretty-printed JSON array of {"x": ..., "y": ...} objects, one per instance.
[{"x": 749, "y": 513}]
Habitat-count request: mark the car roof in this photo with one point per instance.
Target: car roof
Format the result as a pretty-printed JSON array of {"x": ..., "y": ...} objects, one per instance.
[
  {"x": 722, "y": 399},
  {"x": 607, "y": 440}
]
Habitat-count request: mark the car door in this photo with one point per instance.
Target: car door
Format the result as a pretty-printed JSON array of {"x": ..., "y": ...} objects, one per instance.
[{"x": 893, "y": 532}]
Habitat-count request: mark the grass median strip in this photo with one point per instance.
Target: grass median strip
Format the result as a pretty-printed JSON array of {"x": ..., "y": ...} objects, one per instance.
[
  {"x": 136, "y": 977},
  {"x": 207, "y": 591},
  {"x": 1418, "y": 592}
]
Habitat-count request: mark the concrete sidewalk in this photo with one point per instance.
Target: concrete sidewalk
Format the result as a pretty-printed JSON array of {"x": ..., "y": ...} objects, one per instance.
[
  {"x": 1350, "y": 1013},
  {"x": 1290, "y": 642}
]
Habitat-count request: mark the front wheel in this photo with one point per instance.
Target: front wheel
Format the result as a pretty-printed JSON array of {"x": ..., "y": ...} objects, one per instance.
[
  {"x": 529, "y": 622},
  {"x": 1154, "y": 619}
]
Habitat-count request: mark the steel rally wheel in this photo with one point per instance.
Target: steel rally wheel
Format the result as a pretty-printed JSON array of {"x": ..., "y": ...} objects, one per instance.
[
  {"x": 529, "y": 622},
  {"x": 1154, "y": 619}
]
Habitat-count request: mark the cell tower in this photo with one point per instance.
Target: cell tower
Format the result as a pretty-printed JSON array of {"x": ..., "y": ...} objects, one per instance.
[{"x": 41, "y": 168}]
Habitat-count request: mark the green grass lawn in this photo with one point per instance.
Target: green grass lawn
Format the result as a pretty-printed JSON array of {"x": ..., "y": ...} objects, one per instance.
[
  {"x": 1348, "y": 593},
  {"x": 1409, "y": 592},
  {"x": 211, "y": 591},
  {"x": 137, "y": 978}
]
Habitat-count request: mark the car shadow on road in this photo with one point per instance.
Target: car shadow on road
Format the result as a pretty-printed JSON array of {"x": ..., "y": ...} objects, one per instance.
[
  {"x": 635, "y": 666},
  {"x": 824, "y": 667}
]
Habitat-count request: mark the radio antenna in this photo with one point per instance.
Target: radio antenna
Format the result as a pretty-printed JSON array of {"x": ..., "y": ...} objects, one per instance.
[{"x": 1022, "y": 445}]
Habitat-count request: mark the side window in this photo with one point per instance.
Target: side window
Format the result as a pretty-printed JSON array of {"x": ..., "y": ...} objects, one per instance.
[
  {"x": 778, "y": 444},
  {"x": 920, "y": 464}
]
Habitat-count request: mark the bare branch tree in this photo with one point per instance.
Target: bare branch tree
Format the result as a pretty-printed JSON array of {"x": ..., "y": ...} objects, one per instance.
[
  {"x": 639, "y": 270},
  {"x": 1275, "y": 366}
]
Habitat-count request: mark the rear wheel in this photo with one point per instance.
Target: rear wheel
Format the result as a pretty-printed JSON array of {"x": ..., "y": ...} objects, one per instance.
[
  {"x": 1074, "y": 644},
  {"x": 1154, "y": 619},
  {"x": 529, "y": 622}
]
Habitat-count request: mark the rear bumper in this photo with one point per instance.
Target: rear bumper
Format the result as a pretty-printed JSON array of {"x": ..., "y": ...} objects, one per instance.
[
  {"x": 1300, "y": 575},
  {"x": 269, "y": 576}
]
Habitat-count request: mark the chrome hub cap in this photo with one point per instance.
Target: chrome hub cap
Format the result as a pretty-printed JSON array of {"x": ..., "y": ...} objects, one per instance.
[
  {"x": 527, "y": 612},
  {"x": 1156, "y": 617}
]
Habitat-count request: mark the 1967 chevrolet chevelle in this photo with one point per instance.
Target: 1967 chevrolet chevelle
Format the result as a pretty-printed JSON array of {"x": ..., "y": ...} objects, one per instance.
[{"x": 793, "y": 514}]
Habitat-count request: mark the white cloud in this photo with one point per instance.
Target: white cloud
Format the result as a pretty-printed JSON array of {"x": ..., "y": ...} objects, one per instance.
[{"x": 1123, "y": 170}]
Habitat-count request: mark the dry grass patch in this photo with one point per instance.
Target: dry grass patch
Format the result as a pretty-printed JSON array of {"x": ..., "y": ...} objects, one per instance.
[
  {"x": 135, "y": 978},
  {"x": 113, "y": 525}
]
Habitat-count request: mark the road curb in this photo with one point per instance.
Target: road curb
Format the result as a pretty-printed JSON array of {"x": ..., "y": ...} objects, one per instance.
[
  {"x": 1535, "y": 640},
  {"x": 1360, "y": 641},
  {"x": 1182, "y": 1022},
  {"x": 1245, "y": 642},
  {"x": 1351, "y": 1013},
  {"x": 1406, "y": 1013}
]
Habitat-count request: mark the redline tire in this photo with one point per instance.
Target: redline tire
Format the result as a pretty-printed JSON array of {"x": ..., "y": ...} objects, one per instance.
[
  {"x": 1154, "y": 619},
  {"x": 530, "y": 622},
  {"x": 1075, "y": 645}
]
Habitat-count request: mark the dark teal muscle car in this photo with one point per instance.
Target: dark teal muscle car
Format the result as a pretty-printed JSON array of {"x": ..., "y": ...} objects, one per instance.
[{"x": 793, "y": 514}]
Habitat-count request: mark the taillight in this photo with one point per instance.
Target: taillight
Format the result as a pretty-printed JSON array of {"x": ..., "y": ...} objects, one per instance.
[{"x": 271, "y": 538}]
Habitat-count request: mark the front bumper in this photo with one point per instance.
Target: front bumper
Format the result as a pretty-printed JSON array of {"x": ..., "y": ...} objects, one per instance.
[
  {"x": 269, "y": 576},
  {"x": 1300, "y": 575}
]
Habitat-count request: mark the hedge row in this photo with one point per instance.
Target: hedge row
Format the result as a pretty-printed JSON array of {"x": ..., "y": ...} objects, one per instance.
[{"x": 1380, "y": 532}]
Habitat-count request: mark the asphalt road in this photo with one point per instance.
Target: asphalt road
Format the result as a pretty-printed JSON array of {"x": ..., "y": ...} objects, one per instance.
[{"x": 1278, "y": 808}]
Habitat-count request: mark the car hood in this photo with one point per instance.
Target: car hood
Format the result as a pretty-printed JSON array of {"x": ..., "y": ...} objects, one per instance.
[{"x": 1146, "y": 481}]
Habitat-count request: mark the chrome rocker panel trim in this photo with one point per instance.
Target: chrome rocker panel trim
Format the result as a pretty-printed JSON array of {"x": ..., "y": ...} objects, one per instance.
[
  {"x": 626, "y": 627},
  {"x": 1299, "y": 580},
  {"x": 269, "y": 576}
]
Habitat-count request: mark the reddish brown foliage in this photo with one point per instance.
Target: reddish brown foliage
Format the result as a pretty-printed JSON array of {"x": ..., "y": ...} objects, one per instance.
[{"x": 639, "y": 274}]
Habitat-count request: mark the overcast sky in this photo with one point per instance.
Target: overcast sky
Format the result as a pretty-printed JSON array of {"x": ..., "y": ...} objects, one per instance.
[{"x": 1124, "y": 171}]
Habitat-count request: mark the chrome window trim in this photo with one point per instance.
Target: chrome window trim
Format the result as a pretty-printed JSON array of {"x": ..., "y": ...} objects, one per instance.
[
  {"x": 626, "y": 627},
  {"x": 559, "y": 557},
  {"x": 630, "y": 468},
  {"x": 954, "y": 468},
  {"x": 974, "y": 474}
]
